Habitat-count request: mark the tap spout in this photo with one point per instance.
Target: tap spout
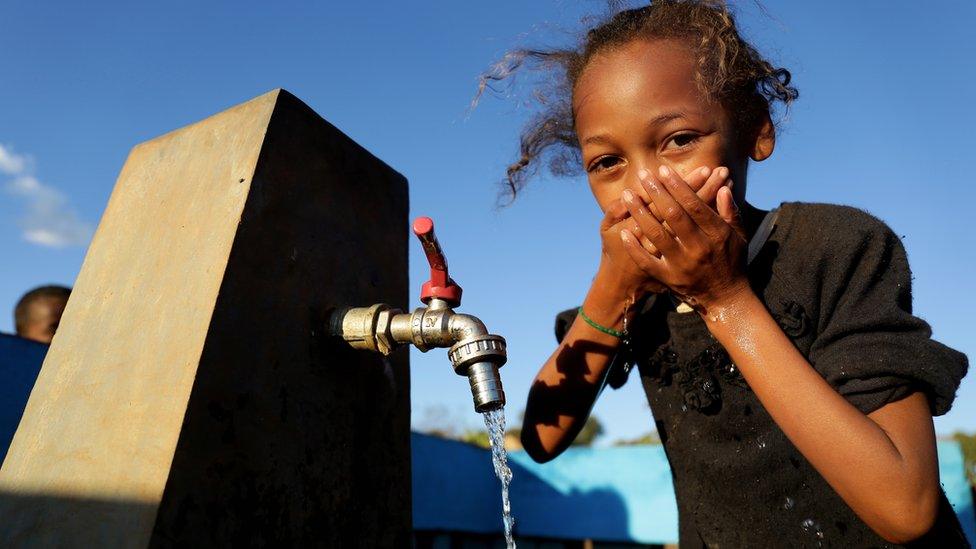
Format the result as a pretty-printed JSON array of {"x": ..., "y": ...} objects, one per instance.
[
  {"x": 473, "y": 351},
  {"x": 478, "y": 355}
]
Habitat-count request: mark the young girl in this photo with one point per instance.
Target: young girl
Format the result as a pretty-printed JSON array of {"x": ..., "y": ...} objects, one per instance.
[{"x": 791, "y": 386}]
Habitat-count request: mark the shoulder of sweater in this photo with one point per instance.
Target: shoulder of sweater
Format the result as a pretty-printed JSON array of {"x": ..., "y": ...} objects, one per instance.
[
  {"x": 815, "y": 230},
  {"x": 822, "y": 245}
]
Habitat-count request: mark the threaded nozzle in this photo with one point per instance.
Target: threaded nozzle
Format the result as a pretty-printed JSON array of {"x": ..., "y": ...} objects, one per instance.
[{"x": 486, "y": 386}]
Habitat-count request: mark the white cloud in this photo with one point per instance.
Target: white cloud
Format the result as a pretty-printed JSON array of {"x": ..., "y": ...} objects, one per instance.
[
  {"x": 49, "y": 219},
  {"x": 12, "y": 163},
  {"x": 45, "y": 237},
  {"x": 26, "y": 185}
]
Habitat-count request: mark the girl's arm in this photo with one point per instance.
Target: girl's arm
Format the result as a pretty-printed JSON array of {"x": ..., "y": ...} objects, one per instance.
[
  {"x": 883, "y": 464},
  {"x": 568, "y": 384}
]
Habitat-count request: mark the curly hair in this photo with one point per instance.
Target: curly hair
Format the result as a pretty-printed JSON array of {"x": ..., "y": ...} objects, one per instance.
[{"x": 729, "y": 71}]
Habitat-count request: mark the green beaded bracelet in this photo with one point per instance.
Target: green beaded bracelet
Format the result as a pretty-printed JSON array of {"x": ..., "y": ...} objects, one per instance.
[{"x": 604, "y": 329}]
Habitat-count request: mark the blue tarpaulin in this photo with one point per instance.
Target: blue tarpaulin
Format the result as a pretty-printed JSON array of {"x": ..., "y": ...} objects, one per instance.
[
  {"x": 608, "y": 494},
  {"x": 20, "y": 362}
]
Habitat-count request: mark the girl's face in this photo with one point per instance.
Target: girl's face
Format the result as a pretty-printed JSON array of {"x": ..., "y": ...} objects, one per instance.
[{"x": 638, "y": 107}]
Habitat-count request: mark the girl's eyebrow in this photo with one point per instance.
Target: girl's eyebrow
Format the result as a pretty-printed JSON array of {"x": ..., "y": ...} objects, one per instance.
[
  {"x": 664, "y": 118},
  {"x": 658, "y": 120},
  {"x": 602, "y": 138}
]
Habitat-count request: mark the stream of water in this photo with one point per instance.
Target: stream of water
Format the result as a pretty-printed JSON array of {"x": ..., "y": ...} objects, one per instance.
[{"x": 495, "y": 422}]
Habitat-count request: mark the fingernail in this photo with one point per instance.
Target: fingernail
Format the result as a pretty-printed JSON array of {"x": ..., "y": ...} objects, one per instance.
[
  {"x": 642, "y": 174},
  {"x": 723, "y": 172},
  {"x": 664, "y": 171},
  {"x": 628, "y": 196},
  {"x": 732, "y": 200},
  {"x": 705, "y": 171},
  {"x": 731, "y": 183},
  {"x": 625, "y": 235}
]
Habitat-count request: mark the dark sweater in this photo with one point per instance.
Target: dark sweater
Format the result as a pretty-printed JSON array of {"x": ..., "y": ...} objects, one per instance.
[{"x": 837, "y": 280}]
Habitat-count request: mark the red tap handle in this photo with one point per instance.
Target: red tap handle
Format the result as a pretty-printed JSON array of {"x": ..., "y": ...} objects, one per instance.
[{"x": 440, "y": 284}]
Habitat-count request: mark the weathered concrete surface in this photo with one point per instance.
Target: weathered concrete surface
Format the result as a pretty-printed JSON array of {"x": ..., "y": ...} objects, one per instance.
[{"x": 190, "y": 396}]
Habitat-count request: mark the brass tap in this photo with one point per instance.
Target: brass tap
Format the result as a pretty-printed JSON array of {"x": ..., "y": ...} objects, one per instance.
[{"x": 473, "y": 351}]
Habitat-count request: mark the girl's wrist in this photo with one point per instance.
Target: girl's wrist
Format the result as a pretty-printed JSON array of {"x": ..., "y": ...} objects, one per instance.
[
  {"x": 622, "y": 286},
  {"x": 610, "y": 298},
  {"x": 729, "y": 304}
]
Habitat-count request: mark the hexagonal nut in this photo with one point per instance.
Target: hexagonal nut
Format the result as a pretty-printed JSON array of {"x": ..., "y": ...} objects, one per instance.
[{"x": 385, "y": 343}]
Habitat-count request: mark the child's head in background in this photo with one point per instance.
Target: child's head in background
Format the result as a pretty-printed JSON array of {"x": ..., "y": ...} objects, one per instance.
[
  {"x": 672, "y": 84},
  {"x": 38, "y": 312}
]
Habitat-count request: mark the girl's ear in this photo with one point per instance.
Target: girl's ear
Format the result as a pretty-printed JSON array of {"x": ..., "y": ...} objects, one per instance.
[{"x": 765, "y": 140}]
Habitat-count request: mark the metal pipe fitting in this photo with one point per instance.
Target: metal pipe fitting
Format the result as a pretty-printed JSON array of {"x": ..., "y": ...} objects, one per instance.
[
  {"x": 472, "y": 350},
  {"x": 367, "y": 328},
  {"x": 479, "y": 357}
]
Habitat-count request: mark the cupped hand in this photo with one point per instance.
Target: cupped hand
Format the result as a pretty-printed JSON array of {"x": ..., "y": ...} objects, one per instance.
[
  {"x": 633, "y": 281},
  {"x": 618, "y": 218},
  {"x": 698, "y": 252}
]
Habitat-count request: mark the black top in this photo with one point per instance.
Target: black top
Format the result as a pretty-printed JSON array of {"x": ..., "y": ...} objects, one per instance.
[{"x": 837, "y": 280}]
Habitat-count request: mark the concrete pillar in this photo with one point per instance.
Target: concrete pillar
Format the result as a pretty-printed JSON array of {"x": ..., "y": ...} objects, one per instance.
[{"x": 191, "y": 397}]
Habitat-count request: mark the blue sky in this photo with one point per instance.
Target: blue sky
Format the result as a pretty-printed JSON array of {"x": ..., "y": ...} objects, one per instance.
[{"x": 884, "y": 122}]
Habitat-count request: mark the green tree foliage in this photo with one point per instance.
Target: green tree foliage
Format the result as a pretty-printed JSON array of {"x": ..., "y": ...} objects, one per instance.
[
  {"x": 645, "y": 439},
  {"x": 437, "y": 421},
  {"x": 476, "y": 437},
  {"x": 590, "y": 432},
  {"x": 968, "y": 444}
]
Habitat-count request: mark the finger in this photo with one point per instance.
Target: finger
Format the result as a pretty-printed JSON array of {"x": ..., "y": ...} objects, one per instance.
[
  {"x": 649, "y": 246},
  {"x": 631, "y": 225},
  {"x": 644, "y": 241},
  {"x": 651, "y": 228},
  {"x": 699, "y": 214},
  {"x": 628, "y": 223},
  {"x": 647, "y": 262},
  {"x": 635, "y": 229},
  {"x": 729, "y": 211},
  {"x": 716, "y": 180},
  {"x": 644, "y": 193},
  {"x": 705, "y": 179},
  {"x": 643, "y": 176},
  {"x": 672, "y": 213},
  {"x": 614, "y": 214},
  {"x": 697, "y": 178},
  {"x": 639, "y": 190}
]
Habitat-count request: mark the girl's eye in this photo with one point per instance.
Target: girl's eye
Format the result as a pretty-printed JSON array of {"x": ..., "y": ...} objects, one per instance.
[
  {"x": 604, "y": 163},
  {"x": 680, "y": 140}
]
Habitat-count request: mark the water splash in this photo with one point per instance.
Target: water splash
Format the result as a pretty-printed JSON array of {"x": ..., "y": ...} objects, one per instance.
[{"x": 495, "y": 422}]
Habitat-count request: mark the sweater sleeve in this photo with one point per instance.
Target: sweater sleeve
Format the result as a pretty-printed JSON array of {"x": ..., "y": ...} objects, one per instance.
[{"x": 869, "y": 345}]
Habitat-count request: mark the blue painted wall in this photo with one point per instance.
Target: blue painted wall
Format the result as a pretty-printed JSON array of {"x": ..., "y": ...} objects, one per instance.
[
  {"x": 607, "y": 494},
  {"x": 20, "y": 362}
]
